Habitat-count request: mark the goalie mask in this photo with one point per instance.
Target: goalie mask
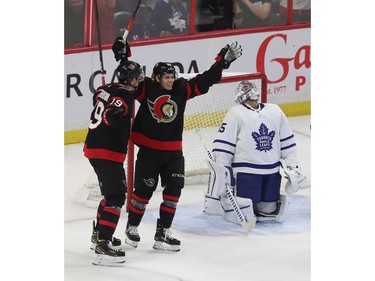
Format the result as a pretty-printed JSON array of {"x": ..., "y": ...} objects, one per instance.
[
  {"x": 246, "y": 90},
  {"x": 162, "y": 68},
  {"x": 129, "y": 70}
]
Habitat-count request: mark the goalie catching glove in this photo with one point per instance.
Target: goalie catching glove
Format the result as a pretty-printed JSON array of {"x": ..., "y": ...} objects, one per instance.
[
  {"x": 121, "y": 49},
  {"x": 294, "y": 175},
  {"x": 229, "y": 54}
]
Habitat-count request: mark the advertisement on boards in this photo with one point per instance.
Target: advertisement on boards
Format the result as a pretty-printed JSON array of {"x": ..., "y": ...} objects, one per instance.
[{"x": 284, "y": 56}]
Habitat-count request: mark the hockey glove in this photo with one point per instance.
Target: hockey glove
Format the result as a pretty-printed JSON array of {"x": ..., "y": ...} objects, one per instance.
[
  {"x": 113, "y": 114},
  {"x": 121, "y": 49},
  {"x": 229, "y": 54},
  {"x": 294, "y": 175}
]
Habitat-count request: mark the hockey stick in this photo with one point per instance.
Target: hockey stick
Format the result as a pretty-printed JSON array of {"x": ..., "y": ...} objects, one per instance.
[
  {"x": 130, "y": 23},
  {"x": 237, "y": 210},
  {"x": 102, "y": 71}
]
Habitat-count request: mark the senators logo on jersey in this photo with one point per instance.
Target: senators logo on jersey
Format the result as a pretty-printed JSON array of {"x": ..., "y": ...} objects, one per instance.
[{"x": 163, "y": 109}]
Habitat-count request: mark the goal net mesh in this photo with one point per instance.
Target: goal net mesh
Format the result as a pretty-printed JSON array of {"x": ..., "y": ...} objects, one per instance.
[{"x": 204, "y": 113}]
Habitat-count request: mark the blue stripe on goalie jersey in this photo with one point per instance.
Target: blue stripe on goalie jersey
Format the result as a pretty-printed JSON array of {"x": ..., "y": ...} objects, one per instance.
[
  {"x": 255, "y": 166},
  {"x": 287, "y": 138},
  {"x": 222, "y": 150},
  {"x": 225, "y": 142},
  {"x": 287, "y": 142},
  {"x": 231, "y": 151},
  {"x": 289, "y": 146}
]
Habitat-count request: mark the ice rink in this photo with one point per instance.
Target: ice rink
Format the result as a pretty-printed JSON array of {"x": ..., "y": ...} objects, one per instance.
[{"x": 211, "y": 248}]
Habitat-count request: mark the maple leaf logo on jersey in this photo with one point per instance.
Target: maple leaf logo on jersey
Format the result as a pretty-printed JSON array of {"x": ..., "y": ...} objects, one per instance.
[
  {"x": 263, "y": 138},
  {"x": 163, "y": 109}
]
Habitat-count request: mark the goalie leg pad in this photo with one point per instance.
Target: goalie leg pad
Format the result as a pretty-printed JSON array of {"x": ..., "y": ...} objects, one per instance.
[
  {"x": 266, "y": 207},
  {"x": 284, "y": 206},
  {"x": 212, "y": 206},
  {"x": 246, "y": 206},
  {"x": 219, "y": 177},
  {"x": 278, "y": 215}
]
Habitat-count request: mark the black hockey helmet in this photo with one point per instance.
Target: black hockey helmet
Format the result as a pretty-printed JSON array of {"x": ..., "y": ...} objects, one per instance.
[
  {"x": 162, "y": 68},
  {"x": 128, "y": 70}
]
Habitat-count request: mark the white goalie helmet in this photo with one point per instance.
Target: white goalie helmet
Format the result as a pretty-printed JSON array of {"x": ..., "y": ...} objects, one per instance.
[{"x": 246, "y": 90}]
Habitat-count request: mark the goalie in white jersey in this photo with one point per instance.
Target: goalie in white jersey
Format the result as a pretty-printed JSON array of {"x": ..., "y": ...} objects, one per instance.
[{"x": 254, "y": 139}]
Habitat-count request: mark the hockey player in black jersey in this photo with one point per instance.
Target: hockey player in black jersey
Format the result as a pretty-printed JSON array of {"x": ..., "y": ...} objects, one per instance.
[
  {"x": 106, "y": 148},
  {"x": 157, "y": 131}
]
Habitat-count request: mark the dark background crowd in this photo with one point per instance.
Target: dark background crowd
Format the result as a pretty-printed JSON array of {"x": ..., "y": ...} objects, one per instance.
[{"x": 156, "y": 18}]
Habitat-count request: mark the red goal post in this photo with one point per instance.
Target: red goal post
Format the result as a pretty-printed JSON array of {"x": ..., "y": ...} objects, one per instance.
[{"x": 204, "y": 113}]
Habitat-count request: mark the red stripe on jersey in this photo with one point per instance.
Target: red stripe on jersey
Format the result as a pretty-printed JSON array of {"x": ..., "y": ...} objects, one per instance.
[
  {"x": 142, "y": 95},
  {"x": 171, "y": 198},
  {"x": 142, "y": 140},
  {"x": 188, "y": 90},
  {"x": 196, "y": 90},
  {"x": 168, "y": 210},
  {"x": 105, "y": 154}
]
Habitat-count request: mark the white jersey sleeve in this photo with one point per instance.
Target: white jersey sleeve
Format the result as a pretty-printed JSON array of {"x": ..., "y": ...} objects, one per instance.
[
  {"x": 287, "y": 142},
  {"x": 224, "y": 145},
  {"x": 253, "y": 141}
]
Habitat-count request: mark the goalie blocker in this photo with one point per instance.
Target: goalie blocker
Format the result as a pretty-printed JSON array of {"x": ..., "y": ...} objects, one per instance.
[{"x": 216, "y": 202}]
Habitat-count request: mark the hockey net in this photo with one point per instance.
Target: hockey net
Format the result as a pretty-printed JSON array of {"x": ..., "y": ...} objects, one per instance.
[{"x": 203, "y": 114}]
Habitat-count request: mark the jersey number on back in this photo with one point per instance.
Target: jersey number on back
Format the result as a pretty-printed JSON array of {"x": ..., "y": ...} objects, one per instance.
[{"x": 96, "y": 118}]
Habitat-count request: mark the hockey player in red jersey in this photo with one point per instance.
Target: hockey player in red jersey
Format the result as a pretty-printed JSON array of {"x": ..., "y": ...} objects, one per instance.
[
  {"x": 106, "y": 148},
  {"x": 157, "y": 131}
]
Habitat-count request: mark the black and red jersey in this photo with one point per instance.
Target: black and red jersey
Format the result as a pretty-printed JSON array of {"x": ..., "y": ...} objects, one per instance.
[
  {"x": 110, "y": 123},
  {"x": 159, "y": 121}
]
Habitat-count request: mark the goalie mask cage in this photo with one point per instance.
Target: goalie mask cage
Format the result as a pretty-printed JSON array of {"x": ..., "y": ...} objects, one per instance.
[{"x": 204, "y": 113}]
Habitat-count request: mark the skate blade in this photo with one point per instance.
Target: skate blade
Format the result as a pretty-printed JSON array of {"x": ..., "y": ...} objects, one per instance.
[
  {"x": 134, "y": 244},
  {"x": 103, "y": 260},
  {"x": 166, "y": 247}
]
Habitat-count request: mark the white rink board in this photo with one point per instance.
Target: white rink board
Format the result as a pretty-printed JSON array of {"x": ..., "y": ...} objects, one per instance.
[{"x": 284, "y": 56}]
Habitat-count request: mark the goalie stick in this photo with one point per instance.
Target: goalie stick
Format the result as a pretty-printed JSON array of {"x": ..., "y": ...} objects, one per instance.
[{"x": 237, "y": 210}]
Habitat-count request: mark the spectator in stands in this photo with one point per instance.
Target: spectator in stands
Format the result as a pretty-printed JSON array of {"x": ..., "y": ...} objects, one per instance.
[
  {"x": 301, "y": 11},
  {"x": 214, "y": 15},
  {"x": 253, "y": 13},
  {"x": 126, "y": 6},
  {"x": 142, "y": 26},
  {"x": 169, "y": 17},
  {"x": 74, "y": 19}
]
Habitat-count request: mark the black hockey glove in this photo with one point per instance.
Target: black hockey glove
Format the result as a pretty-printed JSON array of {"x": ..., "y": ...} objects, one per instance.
[
  {"x": 121, "y": 49},
  {"x": 229, "y": 54},
  {"x": 112, "y": 114}
]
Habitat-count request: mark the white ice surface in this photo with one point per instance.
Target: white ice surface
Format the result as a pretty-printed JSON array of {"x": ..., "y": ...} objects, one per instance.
[{"x": 211, "y": 248}]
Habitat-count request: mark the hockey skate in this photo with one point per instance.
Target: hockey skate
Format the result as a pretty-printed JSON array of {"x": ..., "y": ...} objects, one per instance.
[
  {"x": 164, "y": 240},
  {"x": 132, "y": 236},
  {"x": 106, "y": 255},
  {"x": 94, "y": 238}
]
